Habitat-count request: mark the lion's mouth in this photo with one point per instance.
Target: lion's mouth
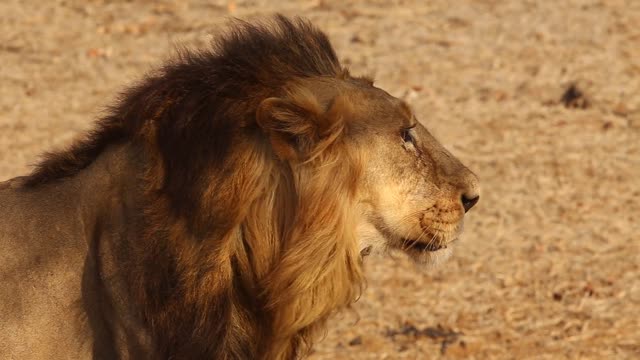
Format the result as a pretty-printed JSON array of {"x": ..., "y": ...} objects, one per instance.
[{"x": 410, "y": 244}]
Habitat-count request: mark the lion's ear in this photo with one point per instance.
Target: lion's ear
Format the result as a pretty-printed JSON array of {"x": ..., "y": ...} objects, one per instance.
[{"x": 292, "y": 125}]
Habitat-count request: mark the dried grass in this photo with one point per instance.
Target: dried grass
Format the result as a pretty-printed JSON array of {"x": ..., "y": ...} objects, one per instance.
[{"x": 549, "y": 266}]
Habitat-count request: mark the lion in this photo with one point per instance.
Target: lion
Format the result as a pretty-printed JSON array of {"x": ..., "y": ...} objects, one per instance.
[{"x": 222, "y": 208}]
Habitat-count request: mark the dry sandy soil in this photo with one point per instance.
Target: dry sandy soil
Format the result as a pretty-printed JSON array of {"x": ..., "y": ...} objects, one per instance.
[{"x": 549, "y": 266}]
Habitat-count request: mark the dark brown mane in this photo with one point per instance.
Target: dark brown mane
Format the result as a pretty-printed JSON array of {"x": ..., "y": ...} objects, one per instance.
[{"x": 189, "y": 98}]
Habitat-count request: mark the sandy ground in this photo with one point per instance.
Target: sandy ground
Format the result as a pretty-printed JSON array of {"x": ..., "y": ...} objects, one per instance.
[{"x": 549, "y": 266}]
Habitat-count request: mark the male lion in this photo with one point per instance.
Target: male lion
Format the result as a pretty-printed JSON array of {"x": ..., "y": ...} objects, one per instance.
[{"x": 222, "y": 209}]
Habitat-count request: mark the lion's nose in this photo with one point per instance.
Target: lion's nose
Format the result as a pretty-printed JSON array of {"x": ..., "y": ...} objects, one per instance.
[{"x": 469, "y": 201}]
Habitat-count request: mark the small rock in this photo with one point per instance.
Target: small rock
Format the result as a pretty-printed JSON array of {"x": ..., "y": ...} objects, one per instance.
[
  {"x": 574, "y": 98},
  {"x": 634, "y": 119},
  {"x": 232, "y": 7},
  {"x": 620, "y": 110},
  {"x": 356, "y": 341},
  {"x": 500, "y": 96},
  {"x": 589, "y": 290},
  {"x": 356, "y": 39}
]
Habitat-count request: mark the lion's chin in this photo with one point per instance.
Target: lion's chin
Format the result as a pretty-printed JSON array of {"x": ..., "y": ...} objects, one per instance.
[
  {"x": 430, "y": 257},
  {"x": 419, "y": 257},
  {"x": 374, "y": 241}
]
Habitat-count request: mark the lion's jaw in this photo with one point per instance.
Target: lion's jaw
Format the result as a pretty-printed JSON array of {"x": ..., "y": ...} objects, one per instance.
[
  {"x": 376, "y": 237},
  {"x": 420, "y": 222}
]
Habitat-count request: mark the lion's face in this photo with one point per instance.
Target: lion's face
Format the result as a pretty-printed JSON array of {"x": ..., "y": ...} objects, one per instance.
[{"x": 414, "y": 193}]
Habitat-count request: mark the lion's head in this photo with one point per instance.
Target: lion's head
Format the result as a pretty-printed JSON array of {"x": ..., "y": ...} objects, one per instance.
[
  {"x": 410, "y": 192},
  {"x": 266, "y": 171},
  {"x": 414, "y": 193}
]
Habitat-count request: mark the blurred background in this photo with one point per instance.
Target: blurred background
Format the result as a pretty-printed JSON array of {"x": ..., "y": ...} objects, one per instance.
[{"x": 540, "y": 98}]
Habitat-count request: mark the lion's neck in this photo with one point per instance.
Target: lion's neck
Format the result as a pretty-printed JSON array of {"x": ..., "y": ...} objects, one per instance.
[{"x": 300, "y": 253}]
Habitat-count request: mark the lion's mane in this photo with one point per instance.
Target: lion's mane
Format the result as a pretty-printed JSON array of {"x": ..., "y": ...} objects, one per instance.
[{"x": 240, "y": 254}]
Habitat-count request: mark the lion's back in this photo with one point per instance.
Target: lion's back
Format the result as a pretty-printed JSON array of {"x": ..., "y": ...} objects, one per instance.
[{"x": 36, "y": 226}]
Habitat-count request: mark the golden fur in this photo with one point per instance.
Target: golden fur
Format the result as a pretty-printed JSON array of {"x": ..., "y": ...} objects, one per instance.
[{"x": 243, "y": 189}]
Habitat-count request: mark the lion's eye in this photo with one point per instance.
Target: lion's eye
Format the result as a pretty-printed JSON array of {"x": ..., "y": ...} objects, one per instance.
[{"x": 407, "y": 136}]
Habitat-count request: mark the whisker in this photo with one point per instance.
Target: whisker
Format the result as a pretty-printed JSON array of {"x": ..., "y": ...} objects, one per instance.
[
  {"x": 399, "y": 228},
  {"x": 413, "y": 243},
  {"x": 395, "y": 228}
]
